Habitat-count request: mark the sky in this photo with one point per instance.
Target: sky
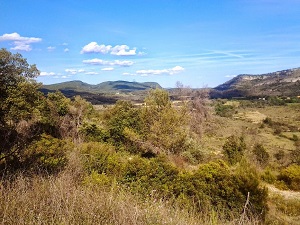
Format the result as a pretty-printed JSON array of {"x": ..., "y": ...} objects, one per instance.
[{"x": 199, "y": 43}]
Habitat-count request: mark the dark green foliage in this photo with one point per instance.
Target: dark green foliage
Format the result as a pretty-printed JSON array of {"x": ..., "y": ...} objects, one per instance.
[
  {"x": 122, "y": 115},
  {"x": 212, "y": 186},
  {"x": 151, "y": 176},
  {"x": 103, "y": 159},
  {"x": 46, "y": 155},
  {"x": 248, "y": 182},
  {"x": 291, "y": 177},
  {"x": 262, "y": 156},
  {"x": 163, "y": 126},
  {"x": 224, "y": 110},
  {"x": 94, "y": 133},
  {"x": 272, "y": 100},
  {"x": 14, "y": 71},
  {"x": 19, "y": 101},
  {"x": 234, "y": 149}
]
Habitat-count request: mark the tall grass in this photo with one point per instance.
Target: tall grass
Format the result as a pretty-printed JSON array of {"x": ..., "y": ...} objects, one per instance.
[
  {"x": 62, "y": 200},
  {"x": 69, "y": 198}
]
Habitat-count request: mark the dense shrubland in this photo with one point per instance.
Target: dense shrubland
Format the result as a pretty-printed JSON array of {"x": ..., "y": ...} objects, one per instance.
[{"x": 63, "y": 162}]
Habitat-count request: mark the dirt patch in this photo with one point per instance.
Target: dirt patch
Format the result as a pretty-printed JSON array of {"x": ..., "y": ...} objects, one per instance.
[
  {"x": 283, "y": 193},
  {"x": 252, "y": 116}
]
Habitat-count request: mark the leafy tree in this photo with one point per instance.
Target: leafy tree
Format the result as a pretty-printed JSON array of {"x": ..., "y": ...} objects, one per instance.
[
  {"x": 164, "y": 126},
  {"x": 262, "y": 156},
  {"x": 19, "y": 97},
  {"x": 123, "y": 117},
  {"x": 234, "y": 148}
]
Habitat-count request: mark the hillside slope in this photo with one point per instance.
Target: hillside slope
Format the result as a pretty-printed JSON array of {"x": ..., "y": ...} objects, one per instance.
[
  {"x": 280, "y": 83},
  {"x": 105, "y": 87}
]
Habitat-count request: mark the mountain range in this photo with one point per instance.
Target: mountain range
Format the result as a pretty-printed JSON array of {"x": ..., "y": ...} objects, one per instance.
[
  {"x": 280, "y": 83},
  {"x": 104, "y": 87}
]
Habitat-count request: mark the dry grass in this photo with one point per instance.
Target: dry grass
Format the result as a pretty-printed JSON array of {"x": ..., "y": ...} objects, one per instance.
[{"x": 61, "y": 200}]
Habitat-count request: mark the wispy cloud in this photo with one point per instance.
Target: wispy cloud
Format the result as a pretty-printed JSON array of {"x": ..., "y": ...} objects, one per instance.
[
  {"x": 108, "y": 69},
  {"x": 91, "y": 73},
  {"x": 230, "y": 76},
  {"x": 74, "y": 71},
  {"x": 96, "y": 61},
  {"x": 66, "y": 50},
  {"x": 47, "y": 74},
  {"x": 171, "y": 71},
  {"x": 118, "y": 50},
  {"x": 20, "y": 43},
  {"x": 51, "y": 48}
]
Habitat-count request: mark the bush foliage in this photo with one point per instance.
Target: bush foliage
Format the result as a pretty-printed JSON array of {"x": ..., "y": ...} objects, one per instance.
[{"x": 127, "y": 146}]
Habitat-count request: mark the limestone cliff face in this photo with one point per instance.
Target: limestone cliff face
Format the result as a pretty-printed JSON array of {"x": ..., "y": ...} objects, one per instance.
[{"x": 283, "y": 83}]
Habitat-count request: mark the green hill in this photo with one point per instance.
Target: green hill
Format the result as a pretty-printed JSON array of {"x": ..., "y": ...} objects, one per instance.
[{"x": 105, "y": 87}]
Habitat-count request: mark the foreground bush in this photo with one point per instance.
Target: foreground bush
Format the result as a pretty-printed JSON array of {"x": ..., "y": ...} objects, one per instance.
[
  {"x": 291, "y": 177},
  {"x": 48, "y": 154},
  {"x": 212, "y": 187}
]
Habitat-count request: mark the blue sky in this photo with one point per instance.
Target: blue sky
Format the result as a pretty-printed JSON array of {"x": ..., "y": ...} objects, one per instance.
[{"x": 200, "y": 43}]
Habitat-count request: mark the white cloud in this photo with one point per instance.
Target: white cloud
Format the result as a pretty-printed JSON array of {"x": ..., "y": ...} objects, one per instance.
[
  {"x": 21, "y": 47},
  {"x": 20, "y": 43},
  {"x": 47, "y": 74},
  {"x": 122, "y": 50},
  {"x": 74, "y": 71},
  {"x": 51, "y": 48},
  {"x": 122, "y": 63},
  {"x": 108, "y": 63},
  {"x": 93, "y": 47},
  {"x": 64, "y": 44},
  {"x": 66, "y": 50},
  {"x": 230, "y": 76},
  {"x": 91, "y": 73},
  {"x": 108, "y": 69},
  {"x": 174, "y": 70},
  {"x": 119, "y": 50},
  {"x": 129, "y": 74}
]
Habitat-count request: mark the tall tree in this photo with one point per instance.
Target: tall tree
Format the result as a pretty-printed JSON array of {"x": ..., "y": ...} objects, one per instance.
[
  {"x": 19, "y": 97},
  {"x": 15, "y": 73}
]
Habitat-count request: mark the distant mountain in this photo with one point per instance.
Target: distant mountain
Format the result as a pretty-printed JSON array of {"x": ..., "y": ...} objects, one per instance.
[
  {"x": 105, "y": 87},
  {"x": 104, "y": 93},
  {"x": 280, "y": 83}
]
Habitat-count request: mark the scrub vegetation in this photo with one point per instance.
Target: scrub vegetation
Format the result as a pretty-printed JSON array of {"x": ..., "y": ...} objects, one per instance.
[{"x": 196, "y": 161}]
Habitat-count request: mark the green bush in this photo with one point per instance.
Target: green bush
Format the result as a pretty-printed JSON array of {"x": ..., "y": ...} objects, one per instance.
[
  {"x": 268, "y": 176},
  {"x": 247, "y": 180},
  {"x": 234, "y": 149},
  {"x": 262, "y": 156},
  {"x": 48, "y": 154},
  {"x": 93, "y": 133},
  {"x": 224, "y": 110},
  {"x": 214, "y": 186},
  {"x": 102, "y": 158},
  {"x": 291, "y": 177}
]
